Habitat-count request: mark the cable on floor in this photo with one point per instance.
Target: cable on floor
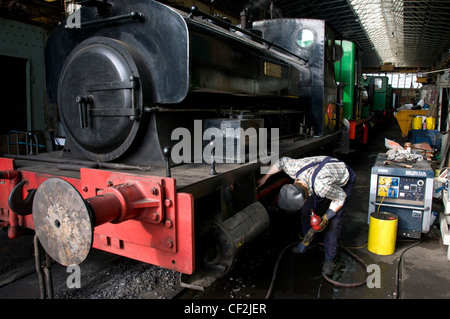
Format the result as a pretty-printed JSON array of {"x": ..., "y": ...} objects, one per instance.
[
  {"x": 347, "y": 250},
  {"x": 400, "y": 259},
  {"x": 348, "y": 285}
]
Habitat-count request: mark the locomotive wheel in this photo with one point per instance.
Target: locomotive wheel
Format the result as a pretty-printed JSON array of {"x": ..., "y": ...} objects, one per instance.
[{"x": 62, "y": 222}]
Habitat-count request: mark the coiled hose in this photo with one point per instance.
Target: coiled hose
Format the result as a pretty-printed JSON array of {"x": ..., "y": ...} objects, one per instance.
[
  {"x": 339, "y": 284},
  {"x": 336, "y": 283}
]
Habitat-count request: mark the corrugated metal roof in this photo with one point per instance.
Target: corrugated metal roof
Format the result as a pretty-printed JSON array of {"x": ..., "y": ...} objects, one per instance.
[{"x": 407, "y": 33}]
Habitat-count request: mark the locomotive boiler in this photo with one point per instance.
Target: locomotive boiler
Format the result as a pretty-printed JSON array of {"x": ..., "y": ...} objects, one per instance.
[
  {"x": 129, "y": 78},
  {"x": 122, "y": 86}
]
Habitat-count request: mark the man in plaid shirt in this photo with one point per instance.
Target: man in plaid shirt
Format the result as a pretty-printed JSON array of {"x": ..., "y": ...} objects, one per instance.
[{"x": 318, "y": 180}]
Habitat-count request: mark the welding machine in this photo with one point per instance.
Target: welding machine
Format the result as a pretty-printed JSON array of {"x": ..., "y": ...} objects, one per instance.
[{"x": 405, "y": 190}]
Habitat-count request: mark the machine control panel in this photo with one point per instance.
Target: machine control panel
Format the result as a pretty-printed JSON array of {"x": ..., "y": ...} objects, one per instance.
[
  {"x": 401, "y": 190},
  {"x": 406, "y": 191}
]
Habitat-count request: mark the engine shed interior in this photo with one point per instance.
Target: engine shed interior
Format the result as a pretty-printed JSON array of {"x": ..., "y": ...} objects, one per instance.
[{"x": 141, "y": 129}]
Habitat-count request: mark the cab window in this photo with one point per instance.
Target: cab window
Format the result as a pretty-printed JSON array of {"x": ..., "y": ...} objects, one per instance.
[
  {"x": 378, "y": 83},
  {"x": 305, "y": 38}
]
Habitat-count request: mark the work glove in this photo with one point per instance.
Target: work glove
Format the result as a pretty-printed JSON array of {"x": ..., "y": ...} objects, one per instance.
[
  {"x": 329, "y": 214},
  {"x": 319, "y": 223},
  {"x": 303, "y": 246}
]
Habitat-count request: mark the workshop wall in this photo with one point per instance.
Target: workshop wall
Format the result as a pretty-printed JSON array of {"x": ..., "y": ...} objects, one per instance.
[{"x": 22, "y": 45}]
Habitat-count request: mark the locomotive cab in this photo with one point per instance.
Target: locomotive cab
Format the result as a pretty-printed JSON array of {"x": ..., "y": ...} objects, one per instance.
[{"x": 315, "y": 41}]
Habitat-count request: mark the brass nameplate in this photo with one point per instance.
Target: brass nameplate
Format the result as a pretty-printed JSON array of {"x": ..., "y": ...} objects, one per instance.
[{"x": 273, "y": 70}]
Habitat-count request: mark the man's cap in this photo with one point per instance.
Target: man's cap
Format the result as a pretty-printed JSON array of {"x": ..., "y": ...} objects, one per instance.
[{"x": 291, "y": 198}]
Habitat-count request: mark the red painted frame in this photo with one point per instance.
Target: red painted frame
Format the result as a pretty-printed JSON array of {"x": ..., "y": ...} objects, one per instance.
[{"x": 166, "y": 240}]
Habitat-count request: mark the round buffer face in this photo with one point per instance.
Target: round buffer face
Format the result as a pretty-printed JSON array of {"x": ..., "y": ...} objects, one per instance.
[{"x": 62, "y": 222}]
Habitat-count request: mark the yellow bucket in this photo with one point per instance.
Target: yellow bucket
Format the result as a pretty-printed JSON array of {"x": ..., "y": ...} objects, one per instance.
[
  {"x": 431, "y": 123},
  {"x": 382, "y": 233},
  {"x": 417, "y": 123}
]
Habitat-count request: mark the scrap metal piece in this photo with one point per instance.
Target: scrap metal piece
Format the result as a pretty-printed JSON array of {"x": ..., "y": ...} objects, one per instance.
[
  {"x": 397, "y": 164},
  {"x": 62, "y": 222}
]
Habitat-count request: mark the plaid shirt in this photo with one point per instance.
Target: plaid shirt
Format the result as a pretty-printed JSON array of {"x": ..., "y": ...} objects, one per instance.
[{"x": 329, "y": 181}]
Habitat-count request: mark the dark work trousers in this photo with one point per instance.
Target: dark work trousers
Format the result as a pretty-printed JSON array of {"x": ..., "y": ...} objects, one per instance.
[{"x": 334, "y": 227}]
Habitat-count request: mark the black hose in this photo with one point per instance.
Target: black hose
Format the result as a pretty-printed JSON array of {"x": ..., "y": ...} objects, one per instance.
[
  {"x": 348, "y": 285},
  {"x": 336, "y": 283},
  {"x": 269, "y": 292},
  {"x": 400, "y": 259}
]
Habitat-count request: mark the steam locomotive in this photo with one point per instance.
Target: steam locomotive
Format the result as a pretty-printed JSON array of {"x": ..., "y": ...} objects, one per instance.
[{"x": 169, "y": 118}]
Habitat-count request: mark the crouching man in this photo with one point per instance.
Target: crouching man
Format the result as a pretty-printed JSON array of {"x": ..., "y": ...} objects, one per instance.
[{"x": 318, "y": 180}]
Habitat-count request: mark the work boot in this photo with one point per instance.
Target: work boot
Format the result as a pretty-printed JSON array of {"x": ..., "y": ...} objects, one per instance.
[{"x": 330, "y": 265}]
